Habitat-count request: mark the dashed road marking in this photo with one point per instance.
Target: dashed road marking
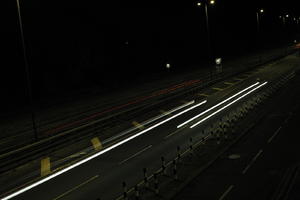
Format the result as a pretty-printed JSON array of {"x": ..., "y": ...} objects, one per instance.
[
  {"x": 138, "y": 125},
  {"x": 76, "y": 187},
  {"x": 203, "y": 95},
  {"x": 136, "y": 154},
  {"x": 226, "y": 192},
  {"x": 218, "y": 89},
  {"x": 274, "y": 135},
  {"x": 252, "y": 161}
]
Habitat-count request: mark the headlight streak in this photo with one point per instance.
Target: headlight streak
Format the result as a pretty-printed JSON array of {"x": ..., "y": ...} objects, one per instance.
[
  {"x": 147, "y": 122},
  {"x": 14, "y": 194},
  {"x": 209, "y": 116},
  {"x": 203, "y": 113}
]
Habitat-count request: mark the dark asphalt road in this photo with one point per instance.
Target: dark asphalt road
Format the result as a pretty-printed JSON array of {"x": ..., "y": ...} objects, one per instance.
[
  {"x": 103, "y": 176},
  {"x": 266, "y": 153}
]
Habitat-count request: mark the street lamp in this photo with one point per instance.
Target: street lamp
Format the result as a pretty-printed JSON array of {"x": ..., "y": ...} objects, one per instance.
[
  {"x": 29, "y": 84},
  {"x": 258, "y": 14},
  {"x": 206, "y": 3}
]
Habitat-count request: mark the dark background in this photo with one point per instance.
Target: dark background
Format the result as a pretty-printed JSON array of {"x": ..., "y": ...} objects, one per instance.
[{"x": 105, "y": 45}]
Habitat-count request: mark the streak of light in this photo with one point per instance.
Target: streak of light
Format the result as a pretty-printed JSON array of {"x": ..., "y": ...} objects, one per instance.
[
  {"x": 214, "y": 113},
  {"x": 226, "y": 100},
  {"x": 33, "y": 185}
]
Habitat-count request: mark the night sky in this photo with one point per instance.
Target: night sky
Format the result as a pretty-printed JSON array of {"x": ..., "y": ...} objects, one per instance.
[{"x": 72, "y": 45}]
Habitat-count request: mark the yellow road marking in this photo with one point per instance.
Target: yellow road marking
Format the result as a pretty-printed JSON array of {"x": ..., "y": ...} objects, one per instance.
[
  {"x": 45, "y": 166},
  {"x": 164, "y": 112},
  {"x": 228, "y": 83},
  {"x": 75, "y": 188},
  {"x": 96, "y": 143},
  {"x": 239, "y": 79},
  {"x": 138, "y": 125},
  {"x": 218, "y": 89},
  {"x": 204, "y": 95}
]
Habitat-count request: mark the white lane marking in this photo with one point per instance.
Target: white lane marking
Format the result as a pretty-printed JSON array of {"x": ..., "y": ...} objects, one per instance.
[
  {"x": 226, "y": 192},
  {"x": 252, "y": 161},
  {"x": 173, "y": 133},
  {"x": 274, "y": 135},
  {"x": 209, "y": 116},
  {"x": 26, "y": 188},
  {"x": 134, "y": 155},
  {"x": 76, "y": 187},
  {"x": 203, "y": 113}
]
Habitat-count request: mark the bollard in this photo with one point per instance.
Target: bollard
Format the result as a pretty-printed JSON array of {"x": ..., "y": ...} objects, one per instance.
[
  {"x": 211, "y": 130},
  {"x": 137, "y": 192},
  {"x": 203, "y": 140},
  {"x": 175, "y": 170},
  {"x": 178, "y": 153},
  {"x": 145, "y": 177},
  {"x": 191, "y": 146},
  {"x": 156, "y": 183},
  {"x": 218, "y": 138},
  {"x": 163, "y": 165},
  {"x": 125, "y": 195}
]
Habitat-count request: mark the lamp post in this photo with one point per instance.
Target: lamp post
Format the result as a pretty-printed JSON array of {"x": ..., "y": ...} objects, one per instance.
[
  {"x": 29, "y": 84},
  {"x": 206, "y": 3},
  {"x": 258, "y": 14}
]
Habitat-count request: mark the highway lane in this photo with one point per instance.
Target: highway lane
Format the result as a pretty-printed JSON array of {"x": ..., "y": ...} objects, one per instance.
[
  {"x": 95, "y": 173},
  {"x": 261, "y": 158}
]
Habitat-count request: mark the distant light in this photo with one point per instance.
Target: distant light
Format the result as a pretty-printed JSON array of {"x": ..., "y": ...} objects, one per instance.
[
  {"x": 168, "y": 66},
  {"x": 199, "y": 4},
  {"x": 212, "y": 2},
  {"x": 218, "y": 61},
  {"x": 261, "y": 10},
  {"x": 279, "y": 17},
  {"x": 287, "y": 15},
  {"x": 294, "y": 18},
  {"x": 295, "y": 41}
]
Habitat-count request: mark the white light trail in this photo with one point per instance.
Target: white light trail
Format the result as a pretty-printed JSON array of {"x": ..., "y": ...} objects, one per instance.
[
  {"x": 203, "y": 113},
  {"x": 148, "y": 122},
  {"x": 204, "y": 119},
  {"x": 16, "y": 193}
]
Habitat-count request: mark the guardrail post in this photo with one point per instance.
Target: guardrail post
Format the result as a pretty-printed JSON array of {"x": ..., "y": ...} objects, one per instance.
[
  {"x": 163, "y": 165},
  {"x": 175, "y": 170},
  {"x": 178, "y": 153},
  {"x": 145, "y": 177},
  {"x": 125, "y": 195},
  {"x": 191, "y": 146},
  {"x": 137, "y": 192},
  {"x": 218, "y": 137},
  {"x": 156, "y": 183}
]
